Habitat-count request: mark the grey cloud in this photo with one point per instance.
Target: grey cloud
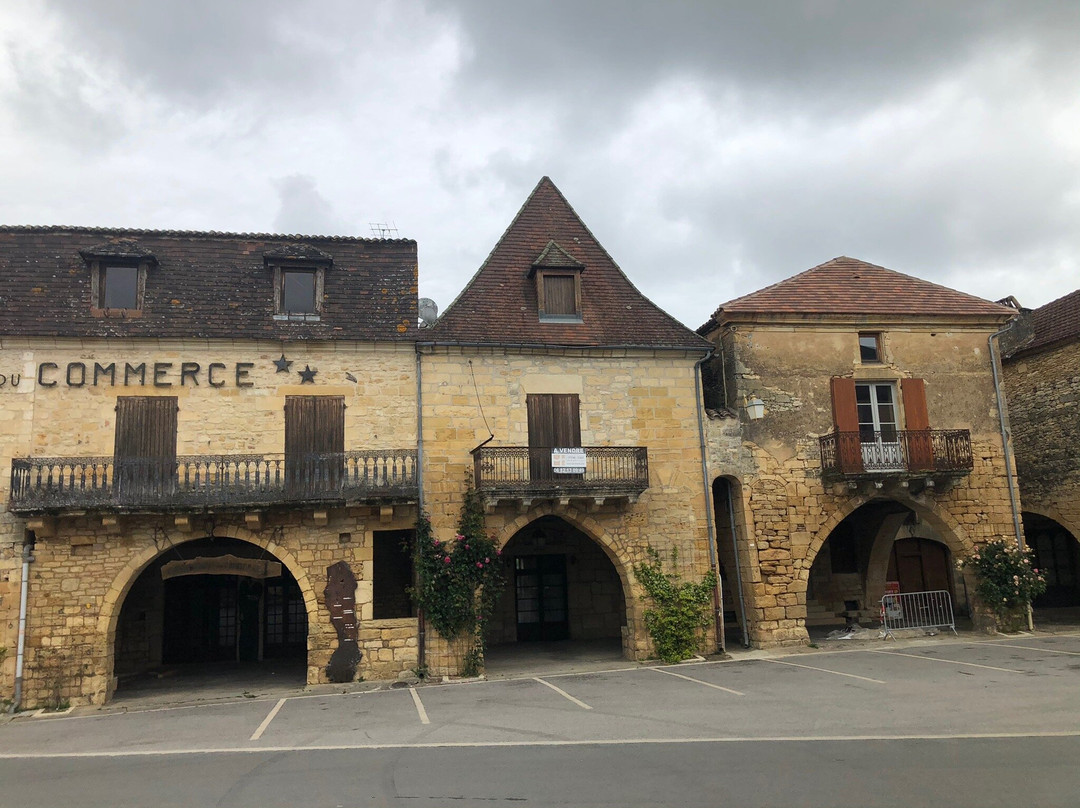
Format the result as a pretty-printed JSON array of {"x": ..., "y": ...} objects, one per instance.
[{"x": 303, "y": 210}]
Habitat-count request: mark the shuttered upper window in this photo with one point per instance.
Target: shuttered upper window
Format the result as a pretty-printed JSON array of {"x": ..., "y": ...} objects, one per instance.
[
  {"x": 554, "y": 423},
  {"x": 559, "y": 295},
  {"x": 314, "y": 445}
]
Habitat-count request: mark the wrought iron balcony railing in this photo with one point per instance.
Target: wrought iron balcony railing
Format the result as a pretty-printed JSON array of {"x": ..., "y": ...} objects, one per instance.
[
  {"x": 899, "y": 452},
  {"x": 43, "y": 484},
  {"x": 521, "y": 472}
]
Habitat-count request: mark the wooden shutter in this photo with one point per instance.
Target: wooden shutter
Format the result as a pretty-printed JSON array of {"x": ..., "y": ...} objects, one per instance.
[
  {"x": 314, "y": 444},
  {"x": 560, "y": 294},
  {"x": 554, "y": 421},
  {"x": 846, "y": 421},
  {"x": 917, "y": 423},
  {"x": 144, "y": 447}
]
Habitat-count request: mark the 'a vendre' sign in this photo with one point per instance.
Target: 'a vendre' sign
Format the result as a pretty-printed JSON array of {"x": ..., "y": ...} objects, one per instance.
[{"x": 568, "y": 461}]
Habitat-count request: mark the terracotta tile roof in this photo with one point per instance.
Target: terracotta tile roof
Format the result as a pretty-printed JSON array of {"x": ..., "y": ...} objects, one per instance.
[
  {"x": 499, "y": 304},
  {"x": 212, "y": 285},
  {"x": 847, "y": 286},
  {"x": 1057, "y": 321}
]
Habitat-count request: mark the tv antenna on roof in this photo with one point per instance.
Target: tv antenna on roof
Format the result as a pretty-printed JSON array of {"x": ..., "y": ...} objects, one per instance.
[{"x": 383, "y": 229}]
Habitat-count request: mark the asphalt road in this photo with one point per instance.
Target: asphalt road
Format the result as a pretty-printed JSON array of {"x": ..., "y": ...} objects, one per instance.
[{"x": 950, "y": 723}]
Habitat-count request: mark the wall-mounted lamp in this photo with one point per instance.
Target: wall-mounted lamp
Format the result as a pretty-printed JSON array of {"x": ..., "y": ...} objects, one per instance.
[{"x": 755, "y": 409}]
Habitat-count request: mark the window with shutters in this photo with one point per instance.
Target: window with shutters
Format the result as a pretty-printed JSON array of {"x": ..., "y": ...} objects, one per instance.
[
  {"x": 870, "y": 436},
  {"x": 314, "y": 446},
  {"x": 144, "y": 448},
  {"x": 392, "y": 574},
  {"x": 554, "y": 423},
  {"x": 559, "y": 296}
]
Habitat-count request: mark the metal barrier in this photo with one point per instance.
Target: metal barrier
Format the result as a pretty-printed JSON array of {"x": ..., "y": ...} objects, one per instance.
[{"x": 917, "y": 610}]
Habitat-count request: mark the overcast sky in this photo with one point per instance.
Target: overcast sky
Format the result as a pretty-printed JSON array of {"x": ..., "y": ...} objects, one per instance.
[{"x": 712, "y": 147}]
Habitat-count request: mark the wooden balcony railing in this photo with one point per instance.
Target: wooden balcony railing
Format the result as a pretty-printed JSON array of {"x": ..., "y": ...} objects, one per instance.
[
  {"x": 896, "y": 452},
  {"x": 44, "y": 484},
  {"x": 521, "y": 472}
]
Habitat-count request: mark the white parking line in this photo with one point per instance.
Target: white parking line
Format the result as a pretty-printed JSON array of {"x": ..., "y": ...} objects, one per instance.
[
  {"x": 691, "y": 679},
  {"x": 419, "y": 706},
  {"x": 825, "y": 670},
  {"x": 563, "y": 693},
  {"x": 266, "y": 721},
  {"x": 946, "y": 661},
  {"x": 1029, "y": 648}
]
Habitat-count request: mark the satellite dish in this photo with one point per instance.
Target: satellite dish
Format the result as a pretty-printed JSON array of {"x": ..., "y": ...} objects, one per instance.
[{"x": 429, "y": 312}]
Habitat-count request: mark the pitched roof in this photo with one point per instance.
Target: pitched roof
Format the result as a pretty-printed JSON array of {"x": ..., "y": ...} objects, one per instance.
[
  {"x": 1057, "y": 321},
  {"x": 848, "y": 286},
  {"x": 210, "y": 285},
  {"x": 499, "y": 304}
]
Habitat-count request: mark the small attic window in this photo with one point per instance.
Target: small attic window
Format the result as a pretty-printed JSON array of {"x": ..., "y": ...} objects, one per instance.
[
  {"x": 299, "y": 280},
  {"x": 118, "y": 278},
  {"x": 558, "y": 285}
]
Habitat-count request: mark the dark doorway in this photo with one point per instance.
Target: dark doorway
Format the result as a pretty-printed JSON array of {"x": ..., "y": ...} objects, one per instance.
[
  {"x": 1056, "y": 557},
  {"x": 561, "y": 585},
  {"x": 920, "y": 565},
  {"x": 212, "y": 600},
  {"x": 540, "y": 595}
]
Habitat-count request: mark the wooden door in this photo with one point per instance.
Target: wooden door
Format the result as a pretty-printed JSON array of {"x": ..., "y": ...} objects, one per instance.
[
  {"x": 314, "y": 446},
  {"x": 554, "y": 422},
  {"x": 144, "y": 448},
  {"x": 920, "y": 565}
]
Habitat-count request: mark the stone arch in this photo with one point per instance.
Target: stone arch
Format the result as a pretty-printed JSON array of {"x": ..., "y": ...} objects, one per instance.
[
  {"x": 614, "y": 550},
  {"x": 1054, "y": 513},
  {"x": 951, "y": 534},
  {"x": 878, "y": 567},
  {"x": 113, "y": 601}
]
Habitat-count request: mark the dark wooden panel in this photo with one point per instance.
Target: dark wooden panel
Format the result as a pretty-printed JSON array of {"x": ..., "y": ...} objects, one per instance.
[
  {"x": 144, "y": 445},
  {"x": 917, "y": 423},
  {"x": 559, "y": 294},
  {"x": 846, "y": 419},
  {"x": 314, "y": 444}
]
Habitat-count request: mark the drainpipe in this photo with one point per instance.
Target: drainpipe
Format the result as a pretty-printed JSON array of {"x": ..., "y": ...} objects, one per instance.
[
  {"x": 27, "y": 560},
  {"x": 718, "y": 610},
  {"x": 421, "y": 628},
  {"x": 1005, "y": 445}
]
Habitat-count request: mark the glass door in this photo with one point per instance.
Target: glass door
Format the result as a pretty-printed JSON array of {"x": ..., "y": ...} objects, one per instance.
[{"x": 878, "y": 435}]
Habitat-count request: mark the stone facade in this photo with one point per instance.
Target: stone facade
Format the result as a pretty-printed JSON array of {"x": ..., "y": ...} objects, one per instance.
[
  {"x": 1043, "y": 390},
  {"x": 627, "y": 399},
  {"x": 785, "y": 510}
]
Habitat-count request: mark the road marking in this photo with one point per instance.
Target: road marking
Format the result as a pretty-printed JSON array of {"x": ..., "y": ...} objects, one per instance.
[
  {"x": 946, "y": 661},
  {"x": 419, "y": 706},
  {"x": 249, "y": 750},
  {"x": 266, "y": 721},
  {"x": 691, "y": 679},
  {"x": 825, "y": 670},
  {"x": 1029, "y": 648},
  {"x": 563, "y": 693}
]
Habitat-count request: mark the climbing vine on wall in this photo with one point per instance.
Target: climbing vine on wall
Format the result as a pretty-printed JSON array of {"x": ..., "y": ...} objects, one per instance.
[
  {"x": 679, "y": 613},
  {"x": 459, "y": 580}
]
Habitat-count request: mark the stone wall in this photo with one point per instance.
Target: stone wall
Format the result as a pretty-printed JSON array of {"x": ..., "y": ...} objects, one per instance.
[
  {"x": 626, "y": 399},
  {"x": 786, "y": 512},
  {"x": 83, "y": 565},
  {"x": 1043, "y": 390}
]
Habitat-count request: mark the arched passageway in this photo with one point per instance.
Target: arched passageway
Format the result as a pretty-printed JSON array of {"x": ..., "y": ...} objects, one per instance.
[
  {"x": 561, "y": 585},
  {"x": 882, "y": 545},
  {"x": 1057, "y": 557},
  {"x": 730, "y": 541},
  {"x": 212, "y": 604}
]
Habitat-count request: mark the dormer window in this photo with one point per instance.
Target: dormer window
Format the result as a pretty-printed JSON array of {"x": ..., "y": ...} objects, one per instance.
[
  {"x": 299, "y": 281},
  {"x": 558, "y": 285},
  {"x": 118, "y": 277}
]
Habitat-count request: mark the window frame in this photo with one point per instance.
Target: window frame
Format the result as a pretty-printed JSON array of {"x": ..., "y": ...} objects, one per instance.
[
  {"x": 879, "y": 352},
  {"x": 99, "y": 271},
  {"x": 318, "y": 274},
  {"x": 545, "y": 317}
]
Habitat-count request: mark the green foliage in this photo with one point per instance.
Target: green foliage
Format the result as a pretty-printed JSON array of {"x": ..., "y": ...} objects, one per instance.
[
  {"x": 680, "y": 610},
  {"x": 459, "y": 581},
  {"x": 1007, "y": 578}
]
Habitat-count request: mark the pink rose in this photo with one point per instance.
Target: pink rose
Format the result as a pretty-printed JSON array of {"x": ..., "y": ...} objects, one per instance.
[
  {"x": 446, "y": 560},
  {"x": 480, "y": 564}
]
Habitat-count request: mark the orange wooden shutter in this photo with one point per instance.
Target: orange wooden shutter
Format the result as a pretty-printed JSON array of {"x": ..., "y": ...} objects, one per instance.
[
  {"x": 917, "y": 423},
  {"x": 846, "y": 419}
]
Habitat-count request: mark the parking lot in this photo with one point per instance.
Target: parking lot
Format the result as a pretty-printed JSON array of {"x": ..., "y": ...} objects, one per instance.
[{"x": 941, "y": 687}]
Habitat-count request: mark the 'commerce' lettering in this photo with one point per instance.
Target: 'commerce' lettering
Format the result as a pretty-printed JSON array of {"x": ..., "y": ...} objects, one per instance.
[{"x": 157, "y": 374}]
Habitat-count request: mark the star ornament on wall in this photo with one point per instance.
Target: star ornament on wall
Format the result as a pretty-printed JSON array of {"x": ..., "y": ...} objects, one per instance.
[
  {"x": 282, "y": 364},
  {"x": 307, "y": 375}
]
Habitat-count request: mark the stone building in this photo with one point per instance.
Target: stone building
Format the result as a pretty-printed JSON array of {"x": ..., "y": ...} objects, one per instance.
[
  {"x": 195, "y": 427},
  {"x": 570, "y": 401},
  {"x": 854, "y": 439},
  {"x": 1042, "y": 380}
]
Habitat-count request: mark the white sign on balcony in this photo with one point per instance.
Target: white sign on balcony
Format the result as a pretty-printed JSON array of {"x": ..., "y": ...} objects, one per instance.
[{"x": 568, "y": 461}]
